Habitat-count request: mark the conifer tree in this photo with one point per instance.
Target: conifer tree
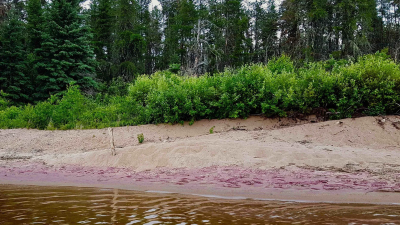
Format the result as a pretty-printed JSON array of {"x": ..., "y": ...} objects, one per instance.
[
  {"x": 171, "y": 41},
  {"x": 269, "y": 31},
  {"x": 230, "y": 28},
  {"x": 154, "y": 42},
  {"x": 35, "y": 23},
  {"x": 102, "y": 23},
  {"x": 130, "y": 45},
  {"x": 65, "y": 54},
  {"x": 353, "y": 15},
  {"x": 265, "y": 29},
  {"x": 13, "y": 78},
  {"x": 186, "y": 19}
]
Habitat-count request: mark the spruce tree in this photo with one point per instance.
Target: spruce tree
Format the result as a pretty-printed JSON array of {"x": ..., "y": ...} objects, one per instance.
[
  {"x": 230, "y": 32},
  {"x": 35, "y": 24},
  {"x": 269, "y": 31},
  {"x": 65, "y": 54},
  {"x": 35, "y": 29},
  {"x": 130, "y": 45},
  {"x": 154, "y": 42},
  {"x": 102, "y": 23},
  {"x": 265, "y": 30},
  {"x": 171, "y": 40},
  {"x": 354, "y": 24},
  {"x": 185, "y": 22},
  {"x": 13, "y": 78}
]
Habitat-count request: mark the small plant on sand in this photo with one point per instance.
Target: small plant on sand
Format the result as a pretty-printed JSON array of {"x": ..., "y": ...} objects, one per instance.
[
  {"x": 212, "y": 130},
  {"x": 140, "y": 138}
]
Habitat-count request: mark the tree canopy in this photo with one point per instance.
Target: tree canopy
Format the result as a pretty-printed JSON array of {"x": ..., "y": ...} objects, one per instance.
[{"x": 46, "y": 45}]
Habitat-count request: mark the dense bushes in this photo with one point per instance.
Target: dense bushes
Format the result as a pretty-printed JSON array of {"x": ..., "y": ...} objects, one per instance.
[
  {"x": 371, "y": 87},
  {"x": 3, "y": 101}
]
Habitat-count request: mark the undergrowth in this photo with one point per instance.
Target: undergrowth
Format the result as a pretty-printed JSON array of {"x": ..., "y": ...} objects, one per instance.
[{"x": 371, "y": 86}]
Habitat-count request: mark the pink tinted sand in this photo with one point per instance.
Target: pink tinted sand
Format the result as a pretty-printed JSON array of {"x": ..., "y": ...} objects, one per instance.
[{"x": 224, "y": 179}]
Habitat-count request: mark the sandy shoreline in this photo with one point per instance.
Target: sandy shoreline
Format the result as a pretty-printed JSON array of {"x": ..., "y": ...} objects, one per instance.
[
  {"x": 351, "y": 161},
  {"x": 291, "y": 184}
]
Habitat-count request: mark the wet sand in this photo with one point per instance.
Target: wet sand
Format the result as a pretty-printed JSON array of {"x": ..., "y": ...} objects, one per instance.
[
  {"x": 291, "y": 184},
  {"x": 352, "y": 160}
]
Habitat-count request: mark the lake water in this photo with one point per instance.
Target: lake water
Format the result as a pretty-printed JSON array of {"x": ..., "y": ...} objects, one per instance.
[{"x": 71, "y": 205}]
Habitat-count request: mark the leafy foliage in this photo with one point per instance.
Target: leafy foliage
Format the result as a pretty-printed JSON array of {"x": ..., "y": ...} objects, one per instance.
[
  {"x": 46, "y": 45},
  {"x": 3, "y": 101},
  {"x": 370, "y": 87}
]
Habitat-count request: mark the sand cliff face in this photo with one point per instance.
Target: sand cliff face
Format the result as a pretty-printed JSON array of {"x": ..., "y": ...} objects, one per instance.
[{"x": 369, "y": 143}]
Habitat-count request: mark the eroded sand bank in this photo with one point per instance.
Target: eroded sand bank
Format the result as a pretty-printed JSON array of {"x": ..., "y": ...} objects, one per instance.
[{"x": 352, "y": 160}]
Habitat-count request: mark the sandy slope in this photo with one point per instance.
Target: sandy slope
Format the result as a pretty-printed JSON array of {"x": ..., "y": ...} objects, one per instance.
[
  {"x": 359, "y": 155},
  {"x": 363, "y": 143}
]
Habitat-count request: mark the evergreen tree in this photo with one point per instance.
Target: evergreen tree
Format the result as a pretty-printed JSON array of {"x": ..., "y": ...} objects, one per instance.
[
  {"x": 35, "y": 24},
  {"x": 314, "y": 29},
  {"x": 102, "y": 21},
  {"x": 13, "y": 78},
  {"x": 185, "y": 21},
  {"x": 197, "y": 35},
  {"x": 35, "y": 28},
  {"x": 265, "y": 29},
  {"x": 230, "y": 32},
  {"x": 354, "y": 25},
  {"x": 154, "y": 42},
  {"x": 215, "y": 36},
  {"x": 270, "y": 31},
  {"x": 130, "y": 45},
  {"x": 386, "y": 32},
  {"x": 171, "y": 39},
  {"x": 65, "y": 55},
  {"x": 236, "y": 25},
  {"x": 293, "y": 18},
  {"x": 258, "y": 13}
]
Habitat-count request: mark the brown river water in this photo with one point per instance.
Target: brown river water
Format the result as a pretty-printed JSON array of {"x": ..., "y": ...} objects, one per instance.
[{"x": 72, "y": 205}]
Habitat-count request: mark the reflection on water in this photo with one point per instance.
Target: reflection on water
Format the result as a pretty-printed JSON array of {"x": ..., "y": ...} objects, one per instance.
[{"x": 61, "y": 205}]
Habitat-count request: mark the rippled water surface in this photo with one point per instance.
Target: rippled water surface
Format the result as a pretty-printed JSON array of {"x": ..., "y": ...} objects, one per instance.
[{"x": 61, "y": 205}]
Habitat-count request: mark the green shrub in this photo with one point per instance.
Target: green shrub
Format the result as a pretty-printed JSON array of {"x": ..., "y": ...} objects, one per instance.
[
  {"x": 281, "y": 64},
  {"x": 115, "y": 87},
  {"x": 67, "y": 113},
  {"x": 3, "y": 101},
  {"x": 370, "y": 86},
  {"x": 175, "y": 68},
  {"x": 140, "y": 138}
]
